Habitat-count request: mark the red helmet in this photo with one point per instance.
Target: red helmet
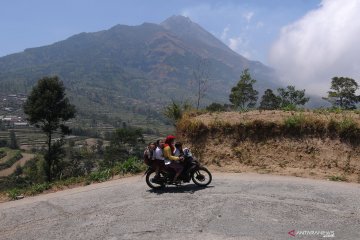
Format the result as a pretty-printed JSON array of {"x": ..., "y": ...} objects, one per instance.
[{"x": 169, "y": 139}]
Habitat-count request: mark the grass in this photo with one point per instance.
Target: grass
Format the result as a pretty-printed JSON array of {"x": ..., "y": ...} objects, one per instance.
[
  {"x": 337, "y": 178},
  {"x": 38, "y": 188},
  {"x": 299, "y": 124},
  {"x": 14, "y": 193},
  {"x": 100, "y": 176},
  {"x": 132, "y": 166}
]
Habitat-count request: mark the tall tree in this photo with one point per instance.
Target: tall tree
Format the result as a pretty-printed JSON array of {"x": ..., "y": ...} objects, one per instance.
[
  {"x": 48, "y": 108},
  {"x": 201, "y": 77},
  {"x": 13, "y": 140},
  {"x": 291, "y": 97},
  {"x": 243, "y": 95},
  {"x": 270, "y": 101},
  {"x": 344, "y": 93}
]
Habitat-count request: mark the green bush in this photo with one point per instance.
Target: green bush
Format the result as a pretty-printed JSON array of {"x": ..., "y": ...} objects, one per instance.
[
  {"x": 34, "y": 169},
  {"x": 38, "y": 188},
  {"x": 289, "y": 107},
  {"x": 100, "y": 176},
  {"x": 73, "y": 180},
  {"x": 337, "y": 178},
  {"x": 14, "y": 193},
  {"x": 295, "y": 124},
  {"x": 2, "y": 153},
  {"x": 131, "y": 165}
]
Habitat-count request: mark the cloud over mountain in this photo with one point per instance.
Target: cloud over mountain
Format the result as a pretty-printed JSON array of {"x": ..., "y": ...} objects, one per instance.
[{"x": 322, "y": 44}]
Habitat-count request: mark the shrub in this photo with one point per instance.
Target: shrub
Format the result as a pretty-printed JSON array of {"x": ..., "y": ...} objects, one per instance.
[
  {"x": 348, "y": 129},
  {"x": 337, "y": 178},
  {"x": 3, "y": 143},
  {"x": 294, "y": 124},
  {"x": 2, "y": 153},
  {"x": 216, "y": 107},
  {"x": 38, "y": 188},
  {"x": 14, "y": 193},
  {"x": 99, "y": 176},
  {"x": 289, "y": 107},
  {"x": 131, "y": 165},
  {"x": 34, "y": 169},
  {"x": 192, "y": 128}
]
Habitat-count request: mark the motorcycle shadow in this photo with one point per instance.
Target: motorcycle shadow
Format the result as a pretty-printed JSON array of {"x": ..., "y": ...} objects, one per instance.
[{"x": 188, "y": 188}]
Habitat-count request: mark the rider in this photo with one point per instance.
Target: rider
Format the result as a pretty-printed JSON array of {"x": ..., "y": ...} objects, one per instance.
[
  {"x": 170, "y": 160},
  {"x": 159, "y": 157}
]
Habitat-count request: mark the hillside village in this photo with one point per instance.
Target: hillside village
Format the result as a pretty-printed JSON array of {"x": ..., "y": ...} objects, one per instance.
[{"x": 11, "y": 113}]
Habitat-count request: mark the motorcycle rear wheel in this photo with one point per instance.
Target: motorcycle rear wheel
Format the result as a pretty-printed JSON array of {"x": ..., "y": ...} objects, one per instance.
[
  {"x": 201, "y": 177},
  {"x": 150, "y": 182}
]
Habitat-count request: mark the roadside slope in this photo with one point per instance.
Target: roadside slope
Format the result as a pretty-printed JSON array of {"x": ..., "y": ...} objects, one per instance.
[{"x": 308, "y": 144}]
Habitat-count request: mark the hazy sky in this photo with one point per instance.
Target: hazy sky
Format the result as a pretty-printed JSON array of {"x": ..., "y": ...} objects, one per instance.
[{"x": 308, "y": 41}]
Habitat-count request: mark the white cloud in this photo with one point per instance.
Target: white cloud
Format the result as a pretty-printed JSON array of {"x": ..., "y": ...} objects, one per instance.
[
  {"x": 224, "y": 34},
  {"x": 234, "y": 43},
  {"x": 238, "y": 44},
  {"x": 248, "y": 16},
  {"x": 259, "y": 24},
  {"x": 321, "y": 45}
]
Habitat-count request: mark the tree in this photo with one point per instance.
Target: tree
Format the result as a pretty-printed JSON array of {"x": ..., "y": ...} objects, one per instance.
[
  {"x": 125, "y": 142},
  {"x": 291, "y": 97},
  {"x": 216, "y": 107},
  {"x": 270, "y": 101},
  {"x": 201, "y": 78},
  {"x": 174, "y": 111},
  {"x": 48, "y": 108},
  {"x": 243, "y": 95},
  {"x": 343, "y": 94},
  {"x": 13, "y": 141}
]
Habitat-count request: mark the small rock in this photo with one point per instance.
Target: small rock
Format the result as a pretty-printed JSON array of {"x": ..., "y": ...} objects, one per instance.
[{"x": 19, "y": 197}]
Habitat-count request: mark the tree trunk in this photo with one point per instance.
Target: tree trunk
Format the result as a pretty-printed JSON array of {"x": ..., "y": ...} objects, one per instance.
[{"x": 48, "y": 159}]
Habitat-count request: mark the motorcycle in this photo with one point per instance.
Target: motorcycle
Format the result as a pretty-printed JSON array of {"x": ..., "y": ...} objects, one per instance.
[{"x": 193, "y": 170}]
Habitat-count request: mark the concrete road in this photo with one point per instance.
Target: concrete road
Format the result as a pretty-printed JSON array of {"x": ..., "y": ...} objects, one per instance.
[{"x": 235, "y": 206}]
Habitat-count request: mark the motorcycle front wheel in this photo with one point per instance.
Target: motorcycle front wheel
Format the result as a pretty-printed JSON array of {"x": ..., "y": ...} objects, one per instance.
[
  {"x": 201, "y": 177},
  {"x": 153, "y": 183}
]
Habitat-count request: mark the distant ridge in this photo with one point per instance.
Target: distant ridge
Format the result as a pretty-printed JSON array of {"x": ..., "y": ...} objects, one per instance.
[{"x": 133, "y": 71}]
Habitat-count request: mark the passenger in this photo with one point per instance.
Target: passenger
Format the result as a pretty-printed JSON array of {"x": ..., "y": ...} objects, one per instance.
[
  {"x": 172, "y": 161},
  {"x": 159, "y": 157},
  {"x": 149, "y": 154},
  {"x": 178, "y": 150}
]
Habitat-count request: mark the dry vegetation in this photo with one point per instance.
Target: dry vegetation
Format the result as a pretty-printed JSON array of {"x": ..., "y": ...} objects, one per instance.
[{"x": 317, "y": 144}]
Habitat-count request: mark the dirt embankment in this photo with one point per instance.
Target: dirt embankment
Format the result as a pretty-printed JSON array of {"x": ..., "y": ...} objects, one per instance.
[{"x": 317, "y": 145}]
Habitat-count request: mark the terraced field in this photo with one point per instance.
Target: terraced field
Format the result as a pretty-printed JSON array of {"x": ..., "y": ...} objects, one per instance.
[
  {"x": 27, "y": 137},
  {"x": 25, "y": 157}
]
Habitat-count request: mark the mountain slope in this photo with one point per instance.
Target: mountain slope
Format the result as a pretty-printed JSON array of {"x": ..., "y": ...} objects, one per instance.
[{"x": 133, "y": 71}]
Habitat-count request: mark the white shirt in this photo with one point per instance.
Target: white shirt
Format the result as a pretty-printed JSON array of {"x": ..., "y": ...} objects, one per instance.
[
  {"x": 159, "y": 154},
  {"x": 176, "y": 152}
]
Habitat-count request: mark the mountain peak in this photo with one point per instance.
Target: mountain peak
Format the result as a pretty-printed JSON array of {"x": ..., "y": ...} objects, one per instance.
[
  {"x": 177, "y": 19},
  {"x": 180, "y": 24}
]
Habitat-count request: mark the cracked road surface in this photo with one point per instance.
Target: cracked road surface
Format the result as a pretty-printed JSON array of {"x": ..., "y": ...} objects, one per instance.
[{"x": 235, "y": 206}]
